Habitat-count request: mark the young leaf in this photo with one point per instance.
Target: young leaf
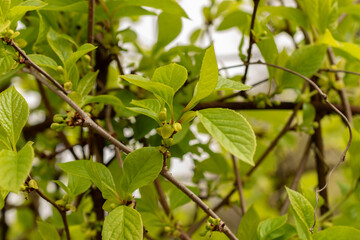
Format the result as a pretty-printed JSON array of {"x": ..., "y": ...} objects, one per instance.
[
  {"x": 76, "y": 168},
  {"x": 3, "y": 195},
  {"x": 160, "y": 90},
  {"x": 15, "y": 167},
  {"x": 338, "y": 233},
  {"x": 269, "y": 226},
  {"x": 60, "y": 45},
  {"x": 141, "y": 167},
  {"x": 303, "y": 211},
  {"x": 123, "y": 223},
  {"x": 103, "y": 180},
  {"x": 169, "y": 26},
  {"x": 248, "y": 224},
  {"x": 78, "y": 185},
  {"x": 107, "y": 99},
  {"x": 225, "y": 83},
  {"x": 16, "y": 12},
  {"x": 14, "y": 113},
  {"x": 172, "y": 75},
  {"x": 306, "y": 61},
  {"x": 47, "y": 231},
  {"x": 169, "y": 6},
  {"x": 81, "y": 51},
  {"x": 147, "y": 107},
  {"x": 231, "y": 130},
  {"x": 86, "y": 83},
  {"x": 208, "y": 78}
]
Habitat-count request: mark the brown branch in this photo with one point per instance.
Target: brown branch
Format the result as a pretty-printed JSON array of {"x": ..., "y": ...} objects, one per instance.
[
  {"x": 299, "y": 172},
  {"x": 162, "y": 198},
  {"x": 62, "y": 212},
  {"x": 251, "y": 41},
  {"x": 29, "y": 62},
  {"x": 223, "y": 228},
  {"x": 239, "y": 185},
  {"x": 338, "y": 71}
]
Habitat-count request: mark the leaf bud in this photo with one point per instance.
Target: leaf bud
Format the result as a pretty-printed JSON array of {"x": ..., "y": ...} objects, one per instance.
[
  {"x": 58, "y": 118},
  {"x": 15, "y": 34},
  {"x": 87, "y": 58},
  {"x": 57, "y": 127},
  {"x": 166, "y": 131},
  {"x": 163, "y": 115},
  {"x": 68, "y": 86},
  {"x": 212, "y": 220},
  {"x": 167, "y": 142},
  {"x": 162, "y": 149},
  {"x": 70, "y": 207},
  {"x": 177, "y": 127},
  {"x": 33, "y": 184},
  {"x": 60, "y": 202},
  {"x": 60, "y": 69}
]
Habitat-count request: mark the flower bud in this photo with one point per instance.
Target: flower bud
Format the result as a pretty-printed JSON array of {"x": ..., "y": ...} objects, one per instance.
[
  {"x": 166, "y": 131},
  {"x": 68, "y": 86},
  {"x": 168, "y": 141},
  {"x": 163, "y": 115},
  {"x": 33, "y": 184},
  {"x": 177, "y": 127},
  {"x": 60, "y": 70},
  {"x": 58, "y": 118}
]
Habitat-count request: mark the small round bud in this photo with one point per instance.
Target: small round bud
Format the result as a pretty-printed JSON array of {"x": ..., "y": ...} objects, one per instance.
[
  {"x": 15, "y": 34},
  {"x": 177, "y": 127},
  {"x": 87, "y": 108},
  {"x": 68, "y": 86},
  {"x": 163, "y": 115},
  {"x": 168, "y": 142},
  {"x": 60, "y": 202},
  {"x": 10, "y": 32},
  {"x": 60, "y": 69},
  {"x": 162, "y": 149},
  {"x": 57, "y": 126},
  {"x": 87, "y": 58},
  {"x": 212, "y": 221},
  {"x": 33, "y": 184},
  {"x": 166, "y": 131},
  {"x": 22, "y": 187},
  {"x": 167, "y": 229},
  {"x": 113, "y": 205},
  {"x": 58, "y": 118}
]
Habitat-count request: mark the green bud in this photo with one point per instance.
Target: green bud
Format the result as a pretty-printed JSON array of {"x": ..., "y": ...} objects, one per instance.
[
  {"x": 163, "y": 115},
  {"x": 177, "y": 127},
  {"x": 66, "y": 198},
  {"x": 167, "y": 229},
  {"x": 339, "y": 85},
  {"x": 68, "y": 86},
  {"x": 15, "y": 34},
  {"x": 87, "y": 108},
  {"x": 60, "y": 202},
  {"x": 166, "y": 131},
  {"x": 57, "y": 126},
  {"x": 208, "y": 227},
  {"x": 87, "y": 58},
  {"x": 162, "y": 149},
  {"x": 33, "y": 184},
  {"x": 168, "y": 141},
  {"x": 113, "y": 205},
  {"x": 10, "y": 32},
  {"x": 70, "y": 207},
  {"x": 60, "y": 70},
  {"x": 58, "y": 118},
  {"x": 212, "y": 221},
  {"x": 22, "y": 187}
]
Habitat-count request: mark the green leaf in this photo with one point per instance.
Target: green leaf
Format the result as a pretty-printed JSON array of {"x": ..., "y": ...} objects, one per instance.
[
  {"x": 147, "y": 107},
  {"x": 3, "y": 195},
  {"x": 169, "y": 27},
  {"x": 123, "y": 223},
  {"x": 294, "y": 15},
  {"x": 60, "y": 45},
  {"x": 141, "y": 167},
  {"x": 338, "y": 233},
  {"x": 15, "y": 167},
  {"x": 48, "y": 231},
  {"x": 304, "y": 213},
  {"x": 67, "y": 6},
  {"x": 238, "y": 19},
  {"x": 306, "y": 61},
  {"x": 78, "y": 185},
  {"x": 231, "y": 130},
  {"x": 76, "y": 168},
  {"x": 86, "y": 83},
  {"x": 169, "y": 6},
  {"x": 172, "y": 75},
  {"x": 225, "y": 83},
  {"x": 351, "y": 49},
  {"x": 106, "y": 99},
  {"x": 81, "y": 51},
  {"x": 269, "y": 226},
  {"x": 309, "y": 113},
  {"x": 17, "y": 12},
  {"x": 103, "y": 180},
  {"x": 208, "y": 78},
  {"x": 14, "y": 113},
  {"x": 320, "y": 13},
  {"x": 248, "y": 225},
  {"x": 269, "y": 51},
  {"x": 62, "y": 185},
  {"x": 4, "y": 7},
  {"x": 160, "y": 90},
  {"x": 43, "y": 60}
]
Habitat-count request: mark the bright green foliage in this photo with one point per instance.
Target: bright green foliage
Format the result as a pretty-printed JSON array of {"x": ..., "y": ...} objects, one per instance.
[
  {"x": 248, "y": 225},
  {"x": 225, "y": 83},
  {"x": 208, "y": 78},
  {"x": 123, "y": 223},
  {"x": 141, "y": 167},
  {"x": 232, "y": 132},
  {"x": 47, "y": 231},
  {"x": 169, "y": 26},
  {"x": 339, "y": 232},
  {"x": 303, "y": 213},
  {"x": 14, "y": 113},
  {"x": 275, "y": 228},
  {"x": 15, "y": 167},
  {"x": 172, "y": 75}
]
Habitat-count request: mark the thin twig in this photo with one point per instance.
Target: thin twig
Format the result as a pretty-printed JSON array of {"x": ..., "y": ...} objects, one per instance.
[
  {"x": 162, "y": 198},
  {"x": 223, "y": 228},
  {"x": 251, "y": 41},
  {"x": 28, "y": 61},
  {"x": 62, "y": 213},
  {"x": 239, "y": 185},
  {"x": 338, "y": 71},
  {"x": 275, "y": 141},
  {"x": 299, "y": 172}
]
